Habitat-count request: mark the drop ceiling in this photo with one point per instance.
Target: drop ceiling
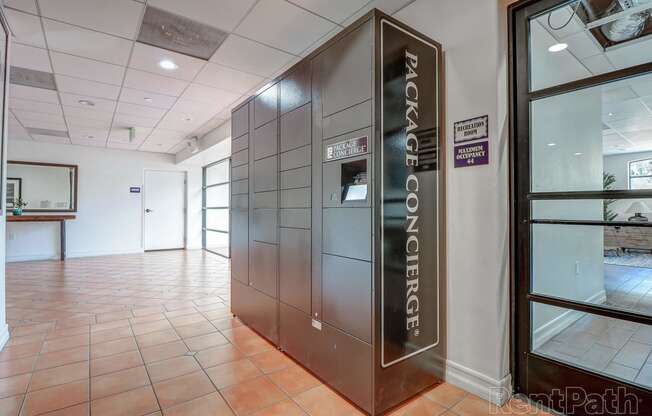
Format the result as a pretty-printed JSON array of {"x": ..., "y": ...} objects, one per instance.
[
  {"x": 626, "y": 104},
  {"x": 107, "y": 81}
]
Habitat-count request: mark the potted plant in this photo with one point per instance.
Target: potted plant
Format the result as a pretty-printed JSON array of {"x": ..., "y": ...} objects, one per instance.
[{"x": 19, "y": 204}]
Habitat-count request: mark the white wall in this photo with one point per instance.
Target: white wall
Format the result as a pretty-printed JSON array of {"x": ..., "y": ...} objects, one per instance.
[
  {"x": 109, "y": 217},
  {"x": 474, "y": 37}
]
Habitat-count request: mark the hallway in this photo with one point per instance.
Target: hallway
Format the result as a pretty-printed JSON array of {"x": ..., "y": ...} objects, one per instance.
[{"x": 144, "y": 334}]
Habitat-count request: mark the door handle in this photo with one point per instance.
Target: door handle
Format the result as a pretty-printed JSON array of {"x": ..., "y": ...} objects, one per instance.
[{"x": 148, "y": 210}]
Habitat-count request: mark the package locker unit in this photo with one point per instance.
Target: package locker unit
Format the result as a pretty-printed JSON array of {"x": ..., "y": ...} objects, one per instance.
[{"x": 332, "y": 162}]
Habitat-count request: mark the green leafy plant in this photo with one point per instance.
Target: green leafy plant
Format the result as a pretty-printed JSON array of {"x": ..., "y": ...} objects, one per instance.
[
  {"x": 608, "y": 180},
  {"x": 19, "y": 203}
]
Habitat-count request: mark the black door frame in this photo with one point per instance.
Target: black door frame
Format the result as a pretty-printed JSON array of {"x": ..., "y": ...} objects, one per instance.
[{"x": 542, "y": 379}]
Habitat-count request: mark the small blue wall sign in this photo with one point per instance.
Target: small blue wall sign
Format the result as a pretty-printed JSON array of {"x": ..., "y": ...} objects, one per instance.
[{"x": 134, "y": 189}]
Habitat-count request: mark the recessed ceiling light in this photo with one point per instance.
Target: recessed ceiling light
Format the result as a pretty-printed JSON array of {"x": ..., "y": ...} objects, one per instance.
[
  {"x": 552, "y": 144},
  {"x": 578, "y": 153},
  {"x": 558, "y": 47},
  {"x": 147, "y": 99},
  {"x": 168, "y": 65},
  {"x": 86, "y": 102},
  {"x": 611, "y": 114}
]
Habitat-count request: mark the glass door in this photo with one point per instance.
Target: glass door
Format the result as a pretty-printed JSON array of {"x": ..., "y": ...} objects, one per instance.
[
  {"x": 215, "y": 207},
  {"x": 581, "y": 114}
]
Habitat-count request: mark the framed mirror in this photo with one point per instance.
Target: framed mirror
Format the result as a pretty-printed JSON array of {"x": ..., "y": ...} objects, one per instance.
[{"x": 44, "y": 187}]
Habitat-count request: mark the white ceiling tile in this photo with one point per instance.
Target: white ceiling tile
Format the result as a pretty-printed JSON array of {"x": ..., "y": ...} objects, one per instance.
[
  {"x": 140, "y": 110},
  {"x": 127, "y": 120},
  {"x": 88, "y": 88},
  {"x": 51, "y": 139},
  {"x": 42, "y": 124},
  {"x": 162, "y": 147},
  {"x": 630, "y": 53},
  {"x": 123, "y": 146},
  {"x": 619, "y": 110},
  {"x": 147, "y": 58},
  {"x": 26, "y": 28},
  {"x": 215, "y": 97},
  {"x": 16, "y": 132},
  {"x": 35, "y": 94},
  {"x": 63, "y": 37},
  {"x": 35, "y": 106},
  {"x": 598, "y": 64},
  {"x": 283, "y": 25},
  {"x": 563, "y": 18},
  {"x": 28, "y": 6},
  {"x": 583, "y": 45},
  {"x": 145, "y": 81},
  {"x": 223, "y": 14},
  {"x": 99, "y": 104},
  {"x": 227, "y": 79},
  {"x": 86, "y": 113},
  {"x": 320, "y": 42},
  {"x": 86, "y": 134},
  {"x": 25, "y": 115},
  {"x": 249, "y": 56},
  {"x": 193, "y": 108},
  {"x": 621, "y": 93},
  {"x": 30, "y": 57},
  {"x": 149, "y": 99},
  {"x": 630, "y": 125},
  {"x": 162, "y": 135},
  {"x": 335, "y": 10},
  {"x": 182, "y": 122},
  {"x": 387, "y": 6},
  {"x": 118, "y": 134},
  {"x": 117, "y": 17},
  {"x": 642, "y": 85},
  {"x": 89, "y": 142},
  {"x": 75, "y": 121},
  {"x": 86, "y": 68}
]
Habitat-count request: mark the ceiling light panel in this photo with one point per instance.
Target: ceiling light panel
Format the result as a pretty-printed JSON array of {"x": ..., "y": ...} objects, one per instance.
[
  {"x": 145, "y": 81},
  {"x": 47, "y": 132},
  {"x": 228, "y": 79},
  {"x": 35, "y": 94},
  {"x": 86, "y": 134},
  {"x": 86, "y": 87},
  {"x": 74, "y": 121},
  {"x": 51, "y": 139},
  {"x": 249, "y": 56},
  {"x": 83, "y": 68},
  {"x": 223, "y": 14},
  {"x": 26, "y": 28},
  {"x": 128, "y": 120},
  {"x": 284, "y": 26},
  {"x": 179, "y": 34},
  {"x": 148, "y": 58},
  {"x": 118, "y": 134},
  {"x": 86, "y": 43},
  {"x": 32, "y": 78},
  {"x": 129, "y": 95},
  {"x": 335, "y": 10},
  {"x": 85, "y": 101},
  {"x": 116, "y": 17},
  {"x": 30, "y": 57}
]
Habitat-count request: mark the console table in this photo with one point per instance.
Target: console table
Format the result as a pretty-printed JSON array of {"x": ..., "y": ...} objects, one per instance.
[{"x": 61, "y": 219}]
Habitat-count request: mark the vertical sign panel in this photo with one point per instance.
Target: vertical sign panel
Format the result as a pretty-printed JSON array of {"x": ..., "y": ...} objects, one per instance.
[{"x": 409, "y": 194}]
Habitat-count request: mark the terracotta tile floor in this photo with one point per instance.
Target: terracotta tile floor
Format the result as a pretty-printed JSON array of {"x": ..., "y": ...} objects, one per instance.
[{"x": 151, "y": 334}]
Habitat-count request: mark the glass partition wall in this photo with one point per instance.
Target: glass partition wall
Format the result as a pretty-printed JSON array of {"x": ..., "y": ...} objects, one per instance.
[
  {"x": 215, "y": 207},
  {"x": 581, "y": 85}
]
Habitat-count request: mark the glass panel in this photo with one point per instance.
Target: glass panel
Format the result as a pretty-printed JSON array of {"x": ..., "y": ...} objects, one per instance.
[
  {"x": 601, "y": 265},
  {"x": 217, "y": 242},
  {"x": 217, "y": 219},
  {"x": 217, "y": 196},
  {"x": 585, "y": 140},
  {"x": 593, "y": 209},
  {"x": 608, "y": 346},
  {"x": 218, "y": 173},
  {"x": 563, "y": 50}
]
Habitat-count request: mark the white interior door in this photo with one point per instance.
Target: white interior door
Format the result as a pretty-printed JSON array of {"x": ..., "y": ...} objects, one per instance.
[{"x": 164, "y": 208}]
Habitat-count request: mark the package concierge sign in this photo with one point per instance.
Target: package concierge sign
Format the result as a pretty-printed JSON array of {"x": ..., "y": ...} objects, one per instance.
[{"x": 409, "y": 194}]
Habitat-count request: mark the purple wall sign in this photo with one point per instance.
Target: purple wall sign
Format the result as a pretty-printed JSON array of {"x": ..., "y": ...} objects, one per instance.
[{"x": 473, "y": 154}]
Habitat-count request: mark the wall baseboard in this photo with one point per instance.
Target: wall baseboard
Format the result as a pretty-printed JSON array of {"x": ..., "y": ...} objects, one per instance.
[
  {"x": 548, "y": 331},
  {"x": 495, "y": 391},
  {"x": 4, "y": 336},
  {"x": 70, "y": 255}
]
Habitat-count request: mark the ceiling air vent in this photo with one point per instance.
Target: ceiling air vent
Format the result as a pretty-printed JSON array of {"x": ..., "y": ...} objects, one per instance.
[
  {"x": 47, "y": 132},
  {"x": 32, "y": 78},
  {"x": 179, "y": 34}
]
